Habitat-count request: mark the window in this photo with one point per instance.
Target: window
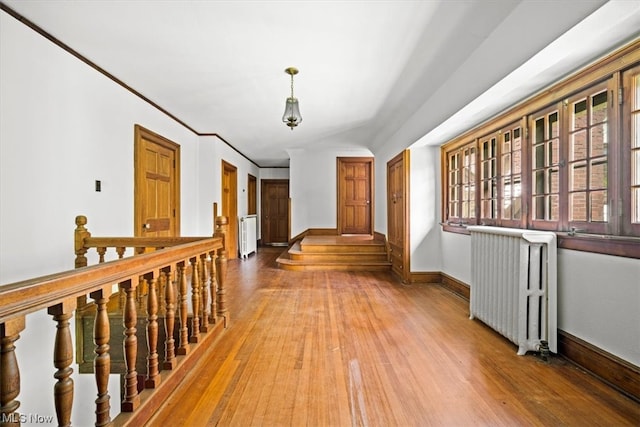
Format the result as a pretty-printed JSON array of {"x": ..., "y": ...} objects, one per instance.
[
  {"x": 569, "y": 161},
  {"x": 489, "y": 179},
  {"x": 511, "y": 176},
  {"x": 501, "y": 177},
  {"x": 631, "y": 152},
  {"x": 461, "y": 183},
  {"x": 545, "y": 169},
  {"x": 587, "y": 161}
]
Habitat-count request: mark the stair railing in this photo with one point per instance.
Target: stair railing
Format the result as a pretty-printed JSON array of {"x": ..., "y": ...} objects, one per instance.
[{"x": 170, "y": 270}]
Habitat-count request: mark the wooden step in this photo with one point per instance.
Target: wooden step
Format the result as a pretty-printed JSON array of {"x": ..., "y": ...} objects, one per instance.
[
  {"x": 298, "y": 254},
  {"x": 341, "y": 244},
  {"x": 344, "y": 253}
]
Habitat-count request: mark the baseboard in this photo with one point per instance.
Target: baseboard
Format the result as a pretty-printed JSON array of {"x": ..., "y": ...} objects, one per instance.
[
  {"x": 616, "y": 372},
  {"x": 456, "y": 286},
  {"x": 426, "y": 277}
]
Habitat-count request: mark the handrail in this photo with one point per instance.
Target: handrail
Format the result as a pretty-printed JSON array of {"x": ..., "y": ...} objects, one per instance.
[{"x": 27, "y": 296}]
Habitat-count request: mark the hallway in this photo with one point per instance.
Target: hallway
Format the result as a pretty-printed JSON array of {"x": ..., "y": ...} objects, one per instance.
[{"x": 358, "y": 348}]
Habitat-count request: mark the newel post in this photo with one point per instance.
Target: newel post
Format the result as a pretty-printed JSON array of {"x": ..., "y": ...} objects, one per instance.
[
  {"x": 222, "y": 223},
  {"x": 80, "y": 234}
]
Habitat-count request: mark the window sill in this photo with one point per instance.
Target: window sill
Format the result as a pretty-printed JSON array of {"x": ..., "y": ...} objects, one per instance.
[
  {"x": 628, "y": 247},
  {"x": 455, "y": 228}
]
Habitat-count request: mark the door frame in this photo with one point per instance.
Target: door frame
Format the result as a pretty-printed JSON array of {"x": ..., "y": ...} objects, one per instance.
[
  {"x": 140, "y": 134},
  {"x": 232, "y": 214},
  {"x": 339, "y": 179}
]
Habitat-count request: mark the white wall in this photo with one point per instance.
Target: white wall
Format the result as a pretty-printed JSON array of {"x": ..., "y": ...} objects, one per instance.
[
  {"x": 273, "y": 173},
  {"x": 63, "y": 125},
  {"x": 313, "y": 186},
  {"x": 599, "y": 301},
  {"x": 426, "y": 253}
]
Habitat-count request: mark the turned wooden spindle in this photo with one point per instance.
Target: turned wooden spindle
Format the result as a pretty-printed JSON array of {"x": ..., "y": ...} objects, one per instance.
[
  {"x": 102, "y": 362},
  {"x": 120, "y": 250},
  {"x": 101, "y": 252},
  {"x": 221, "y": 269},
  {"x": 162, "y": 283},
  {"x": 213, "y": 283},
  {"x": 183, "y": 345},
  {"x": 131, "y": 398},
  {"x": 204, "y": 294},
  {"x": 9, "y": 371},
  {"x": 195, "y": 301},
  {"x": 169, "y": 323},
  {"x": 80, "y": 234},
  {"x": 153, "y": 374},
  {"x": 62, "y": 360},
  {"x": 141, "y": 293}
]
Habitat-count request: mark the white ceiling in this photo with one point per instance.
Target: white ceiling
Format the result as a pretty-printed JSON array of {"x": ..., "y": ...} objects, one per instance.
[{"x": 367, "y": 68}]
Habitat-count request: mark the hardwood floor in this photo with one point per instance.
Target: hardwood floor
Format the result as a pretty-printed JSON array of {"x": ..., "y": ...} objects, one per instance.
[{"x": 332, "y": 348}]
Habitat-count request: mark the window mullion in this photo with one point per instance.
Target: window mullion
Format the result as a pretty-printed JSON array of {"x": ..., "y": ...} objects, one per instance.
[
  {"x": 617, "y": 196},
  {"x": 564, "y": 141}
]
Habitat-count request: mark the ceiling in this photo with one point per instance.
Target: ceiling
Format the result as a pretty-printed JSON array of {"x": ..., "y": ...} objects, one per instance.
[{"x": 368, "y": 69}]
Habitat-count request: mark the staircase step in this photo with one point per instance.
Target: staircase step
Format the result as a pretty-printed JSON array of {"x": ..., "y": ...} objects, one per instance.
[
  {"x": 339, "y": 244},
  {"x": 298, "y": 254},
  {"x": 336, "y": 253}
]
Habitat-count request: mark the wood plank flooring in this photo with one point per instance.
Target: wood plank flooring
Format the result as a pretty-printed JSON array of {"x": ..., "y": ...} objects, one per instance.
[{"x": 332, "y": 348}]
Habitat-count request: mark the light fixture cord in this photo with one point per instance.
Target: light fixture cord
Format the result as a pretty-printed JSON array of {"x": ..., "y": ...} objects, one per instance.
[{"x": 291, "y": 86}]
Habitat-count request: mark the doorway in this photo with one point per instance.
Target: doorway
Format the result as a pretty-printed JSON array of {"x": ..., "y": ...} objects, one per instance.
[
  {"x": 230, "y": 206},
  {"x": 355, "y": 191},
  {"x": 274, "y": 211},
  {"x": 156, "y": 185}
]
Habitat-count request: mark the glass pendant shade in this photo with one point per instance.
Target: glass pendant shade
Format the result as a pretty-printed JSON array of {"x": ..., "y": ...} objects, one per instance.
[{"x": 291, "y": 114}]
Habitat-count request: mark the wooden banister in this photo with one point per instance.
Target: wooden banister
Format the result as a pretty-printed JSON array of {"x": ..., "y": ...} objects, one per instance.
[
  {"x": 27, "y": 296},
  {"x": 163, "y": 270}
]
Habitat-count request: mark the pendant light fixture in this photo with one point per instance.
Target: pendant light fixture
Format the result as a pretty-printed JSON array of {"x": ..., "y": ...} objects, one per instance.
[{"x": 292, "y": 115}]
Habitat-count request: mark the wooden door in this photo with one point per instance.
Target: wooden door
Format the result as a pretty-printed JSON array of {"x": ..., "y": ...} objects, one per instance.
[
  {"x": 398, "y": 213},
  {"x": 355, "y": 190},
  {"x": 157, "y": 185},
  {"x": 274, "y": 210},
  {"x": 252, "y": 195},
  {"x": 230, "y": 206}
]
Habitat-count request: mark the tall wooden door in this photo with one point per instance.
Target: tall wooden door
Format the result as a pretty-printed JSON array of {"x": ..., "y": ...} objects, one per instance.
[
  {"x": 355, "y": 190},
  {"x": 157, "y": 185},
  {"x": 398, "y": 213},
  {"x": 274, "y": 209},
  {"x": 252, "y": 195},
  {"x": 230, "y": 206}
]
